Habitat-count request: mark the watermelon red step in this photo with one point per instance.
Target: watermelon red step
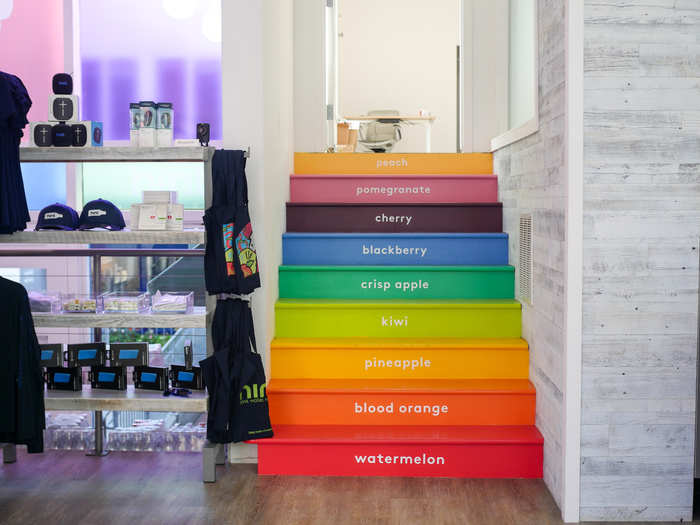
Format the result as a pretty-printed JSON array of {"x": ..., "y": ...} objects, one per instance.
[
  {"x": 386, "y": 402},
  {"x": 417, "y": 451}
]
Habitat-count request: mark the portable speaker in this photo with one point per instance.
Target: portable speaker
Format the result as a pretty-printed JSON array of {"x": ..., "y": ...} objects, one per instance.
[
  {"x": 60, "y": 378},
  {"x": 79, "y": 135},
  {"x": 40, "y": 134},
  {"x": 63, "y": 108},
  {"x": 128, "y": 354},
  {"x": 183, "y": 377},
  {"x": 62, "y": 84},
  {"x": 51, "y": 355},
  {"x": 108, "y": 377},
  {"x": 86, "y": 354},
  {"x": 150, "y": 378},
  {"x": 203, "y": 132},
  {"x": 61, "y": 135}
]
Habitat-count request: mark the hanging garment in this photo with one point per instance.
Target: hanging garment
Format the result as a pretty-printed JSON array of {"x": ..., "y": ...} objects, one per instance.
[
  {"x": 230, "y": 259},
  {"x": 14, "y": 105},
  {"x": 22, "y": 417},
  {"x": 235, "y": 379}
]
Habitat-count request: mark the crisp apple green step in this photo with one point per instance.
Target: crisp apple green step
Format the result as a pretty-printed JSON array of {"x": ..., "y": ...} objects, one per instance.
[
  {"x": 396, "y": 282},
  {"x": 393, "y": 318}
]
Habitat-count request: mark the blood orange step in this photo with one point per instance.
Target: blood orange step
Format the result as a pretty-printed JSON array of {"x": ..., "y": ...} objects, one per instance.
[
  {"x": 460, "y": 452},
  {"x": 393, "y": 163},
  {"x": 410, "y": 189},
  {"x": 401, "y": 402},
  {"x": 477, "y": 217},
  {"x": 409, "y": 358}
]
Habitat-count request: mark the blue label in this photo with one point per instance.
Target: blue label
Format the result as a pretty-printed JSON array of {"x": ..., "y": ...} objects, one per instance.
[
  {"x": 106, "y": 377},
  {"x": 86, "y": 354},
  {"x": 46, "y": 355},
  {"x": 185, "y": 376},
  {"x": 128, "y": 354},
  {"x": 148, "y": 377},
  {"x": 60, "y": 377}
]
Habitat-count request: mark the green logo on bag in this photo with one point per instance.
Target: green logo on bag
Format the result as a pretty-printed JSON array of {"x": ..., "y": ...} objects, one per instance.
[{"x": 256, "y": 394}]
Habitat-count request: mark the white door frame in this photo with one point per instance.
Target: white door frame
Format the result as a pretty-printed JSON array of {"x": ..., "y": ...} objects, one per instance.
[{"x": 574, "y": 258}]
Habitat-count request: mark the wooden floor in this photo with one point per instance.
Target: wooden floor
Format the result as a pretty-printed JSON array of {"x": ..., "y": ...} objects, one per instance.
[{"x": 135, "y": 488}]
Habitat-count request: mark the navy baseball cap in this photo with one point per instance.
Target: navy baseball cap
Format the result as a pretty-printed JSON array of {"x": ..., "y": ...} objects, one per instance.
[
  {"x": 57, "y": 217},
  {"x": 101, "y": 214}
]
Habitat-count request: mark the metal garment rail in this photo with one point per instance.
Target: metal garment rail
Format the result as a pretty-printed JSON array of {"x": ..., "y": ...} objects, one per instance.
[{"x": 96, "y": 255}]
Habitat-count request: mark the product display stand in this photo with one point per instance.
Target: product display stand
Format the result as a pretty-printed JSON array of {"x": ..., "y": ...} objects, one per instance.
[{"x": 131, "y": 399}]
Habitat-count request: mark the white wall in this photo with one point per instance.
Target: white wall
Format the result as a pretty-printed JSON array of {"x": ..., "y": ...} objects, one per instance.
[
  {"x": 401, "y": 54},
  {"x": 257, "y": 72},
  {"x": 521, "y": 71}
]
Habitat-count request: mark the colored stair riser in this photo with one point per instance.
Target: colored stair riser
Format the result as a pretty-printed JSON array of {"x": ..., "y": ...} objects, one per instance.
[
  {"x": 395, "y": 249},
  {"x": 342, "y": 282},
  {"x": 370, "y": 218},
  {"x": 412, "y": 460},
  {"x": 399, "y": 364},
  {"x": 358, "y": 408},
  {"x": 393, "y": 163},
  {"x": 407, "y": 189},
  {"x": 393, "y": 321}
]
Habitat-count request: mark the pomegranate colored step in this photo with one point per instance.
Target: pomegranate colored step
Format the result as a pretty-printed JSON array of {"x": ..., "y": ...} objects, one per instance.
[
  {"x": 385, "y": 189},
  {"x": 424, "y": 451},
  {"x": 401, "y": 402}
]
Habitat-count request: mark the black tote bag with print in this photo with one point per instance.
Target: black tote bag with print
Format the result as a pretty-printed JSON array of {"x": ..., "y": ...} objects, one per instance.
[
  {"x": 253, "y": 411},
  {"x": 230, "y": 260}
]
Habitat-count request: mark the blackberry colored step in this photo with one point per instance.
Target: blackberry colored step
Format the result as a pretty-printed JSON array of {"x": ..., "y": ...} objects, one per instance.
[
  {"x": 382, "y": 358},
  {"x": 422, "y": 451},
  {"x": 397, "y": 282},
  {"x": 389, "y": 402},
  {"x": 392, "y": 163},
  {"x": 395, "y": 218},
  {"x": 387, "y": 189},
  {"x": 389, "y": 318},
  {"x": 395, "y": 249}
]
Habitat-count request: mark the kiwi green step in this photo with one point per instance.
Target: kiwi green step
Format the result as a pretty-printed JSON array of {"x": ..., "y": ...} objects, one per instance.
[
  {"x": 392, "y": 318},
  {"x": 397, "y": 282}
]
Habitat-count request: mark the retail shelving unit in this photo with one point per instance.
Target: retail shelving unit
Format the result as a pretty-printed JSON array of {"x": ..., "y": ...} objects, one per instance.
[{"x": 131, "y": 399}]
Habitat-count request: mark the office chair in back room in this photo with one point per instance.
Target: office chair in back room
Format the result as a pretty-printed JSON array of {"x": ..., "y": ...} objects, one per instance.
[{"x": 381, "y": 135}]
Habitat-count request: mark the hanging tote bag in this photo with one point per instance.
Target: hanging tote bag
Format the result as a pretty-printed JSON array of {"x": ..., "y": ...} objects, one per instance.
[
  {"x": 230, "y": 259},
  {"x": 253, "y": 411}
]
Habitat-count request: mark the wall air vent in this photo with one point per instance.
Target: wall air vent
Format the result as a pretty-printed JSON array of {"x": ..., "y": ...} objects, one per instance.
[{"x": 525, "y": 260}]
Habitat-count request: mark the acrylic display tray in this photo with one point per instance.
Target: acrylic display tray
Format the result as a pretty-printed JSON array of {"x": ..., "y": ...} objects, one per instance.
[
  {"x": 126, "y": 302},
  {"x": 81, "y": 304},
  {"x": 44, "y": 303},
  {"x": 172, "y": 302}
]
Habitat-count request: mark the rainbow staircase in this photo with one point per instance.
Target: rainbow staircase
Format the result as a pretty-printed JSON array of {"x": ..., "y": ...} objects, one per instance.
[{"x": 398, "y": 349}]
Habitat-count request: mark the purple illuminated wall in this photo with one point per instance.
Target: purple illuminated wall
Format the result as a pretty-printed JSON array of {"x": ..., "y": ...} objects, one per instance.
[{"x": 160, "y": 50}]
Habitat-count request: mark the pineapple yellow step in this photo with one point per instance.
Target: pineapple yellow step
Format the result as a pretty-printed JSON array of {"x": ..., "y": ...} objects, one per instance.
[
  {"x": 393, "y": 163},
  {"x": 481, "y": 318},
  {"x": 377, "y": 358}
]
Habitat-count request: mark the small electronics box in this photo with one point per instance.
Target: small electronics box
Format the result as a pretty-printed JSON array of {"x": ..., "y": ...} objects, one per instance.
[
  {"x": 181, "y": 377},
  {"x": 128, "y": 354},
  {"x": 40, "y": 134},
  {"x": 86, "y": 134},
  {"x": 61, "y": 135},
  {"x": 87, "y": 354},
  {"x": 150, "y": 378},
  {"x": 51, "y": 356},
  {"x": 60, "y": 378},
  {"x": 108, "y": 377},
  {"x": 63, "y": 108}
]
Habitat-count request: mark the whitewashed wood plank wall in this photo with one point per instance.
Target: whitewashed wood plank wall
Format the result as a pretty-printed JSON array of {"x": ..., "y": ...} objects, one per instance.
[
  {"x": 532, "y": 179},
  {"x": 641, "y": 230}
]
